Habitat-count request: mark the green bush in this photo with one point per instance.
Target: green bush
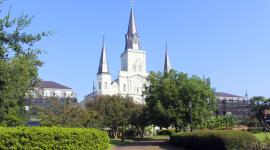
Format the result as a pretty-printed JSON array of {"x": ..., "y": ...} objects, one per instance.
[
  {"x": 216, "y": 140},
  {"x": 53, "y": 138},
  {"x": 166, "y": 132}
]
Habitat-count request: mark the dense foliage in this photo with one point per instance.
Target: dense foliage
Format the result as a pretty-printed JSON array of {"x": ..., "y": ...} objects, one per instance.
[
  {"x": 169, "y": 96},
  {"x": 19, "y": 65},
  {"x": 260, "y": 109},
  {"x": 65, "y": 115},
  {"x": 53, "y": 138},
  {"x": 216, "y": 140},
  {"x": 221, "y": 122},
  {"x": 114, "y": 112},
  {"x": 140, "y": 118}
]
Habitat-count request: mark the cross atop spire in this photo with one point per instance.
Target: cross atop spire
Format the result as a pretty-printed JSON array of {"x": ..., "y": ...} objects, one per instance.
[
  {"x": 103, "y": 64},
  {"x": 132, "y": 36},
  {"x": 167, "y": 64},
  {"x": 132, "y": 3}
]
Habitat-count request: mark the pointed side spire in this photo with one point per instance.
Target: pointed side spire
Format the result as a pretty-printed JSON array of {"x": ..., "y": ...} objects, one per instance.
[
  {"x": 103, "y": 64},
  {"x": 167, "y": 64},
  {"x": 246, "y": 95},
  {"x": 132, "y": 36}
]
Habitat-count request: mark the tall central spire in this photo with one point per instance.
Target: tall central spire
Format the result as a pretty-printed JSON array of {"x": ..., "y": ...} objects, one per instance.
[
  {"x": 103, "y": 64},
  {"x": 132, "y": 29},
  {"x": 132, "y": 36}
]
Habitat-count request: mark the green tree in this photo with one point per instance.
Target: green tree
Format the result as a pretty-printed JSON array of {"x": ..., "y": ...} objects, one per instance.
[
  {"x": 19, "y": 65},
  {"x": 140, "y": 118},
  {"x": 168, "y": 97},
  {"x": 153, "y": 97},
  {"x": 65, "y": 114},
  {"x": 259, "y": 105},
  {"x": 115, "y": 112},
  {"x": 227, "y": 121}
]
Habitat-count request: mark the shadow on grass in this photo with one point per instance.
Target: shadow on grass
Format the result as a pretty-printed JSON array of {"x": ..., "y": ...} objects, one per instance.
[
  {"x": 153, "y": 138},
  {"x": 118, "y": 142}
]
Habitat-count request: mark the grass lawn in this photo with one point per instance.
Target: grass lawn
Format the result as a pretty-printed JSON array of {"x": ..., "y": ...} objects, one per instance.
[
  {"x": 262, "y": 135},
  {"x": 118, "y": 142},
  {"x": 158, "y": 137}
]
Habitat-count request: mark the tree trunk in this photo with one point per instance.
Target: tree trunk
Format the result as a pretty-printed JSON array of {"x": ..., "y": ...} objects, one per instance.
[
  {"x": 142, "y": 132},
  {"x": 122, "y": 134},
  {"x": 176, "y": 128},
  {"x": 115, "y": 134}
]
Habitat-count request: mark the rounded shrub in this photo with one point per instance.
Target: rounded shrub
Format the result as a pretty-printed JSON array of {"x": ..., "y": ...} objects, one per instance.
[
  {"x": 53, "y": 138},
  {"x": 215, "y": 140}
]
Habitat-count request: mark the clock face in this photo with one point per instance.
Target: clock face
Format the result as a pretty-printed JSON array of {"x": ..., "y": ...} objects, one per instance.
[{"x": 137, "y": 81}]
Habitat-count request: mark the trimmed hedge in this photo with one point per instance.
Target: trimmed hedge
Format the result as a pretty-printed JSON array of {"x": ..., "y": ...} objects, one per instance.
[
  {"x": 53, "y": 138},
  {"x": 216, "y": 140},
  {"x": 166, "y": 132}
]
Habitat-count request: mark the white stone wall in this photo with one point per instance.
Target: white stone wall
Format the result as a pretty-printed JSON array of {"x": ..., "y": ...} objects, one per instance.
[
  {"x": 232, "y": 98},
  {"x": 103, "y": 84},
  {"x": 134, "y": 61},
  {"x": 131, "y": 78}
]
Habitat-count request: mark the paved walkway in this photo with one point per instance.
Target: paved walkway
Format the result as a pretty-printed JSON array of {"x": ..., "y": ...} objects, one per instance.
[{"x": 147, "y": 145}]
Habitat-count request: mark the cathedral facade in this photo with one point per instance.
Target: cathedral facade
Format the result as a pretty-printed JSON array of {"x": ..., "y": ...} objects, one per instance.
[{"x": 133, "y": 75}]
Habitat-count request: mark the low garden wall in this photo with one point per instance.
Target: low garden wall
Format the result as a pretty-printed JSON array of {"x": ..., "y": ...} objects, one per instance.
[
  {"x": 216, "y": 140},
  {"x": 53, "y": 138}
]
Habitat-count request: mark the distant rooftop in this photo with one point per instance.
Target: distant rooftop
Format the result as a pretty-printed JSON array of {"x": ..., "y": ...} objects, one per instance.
[
  {"x": 222, "y": 94},
  {"x": 51, "y": 84}
]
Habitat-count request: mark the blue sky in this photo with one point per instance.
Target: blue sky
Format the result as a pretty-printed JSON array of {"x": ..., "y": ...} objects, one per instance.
[{"x": 226, "y": 40}]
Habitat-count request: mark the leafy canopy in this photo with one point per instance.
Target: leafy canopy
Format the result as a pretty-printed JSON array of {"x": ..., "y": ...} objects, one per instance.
[
  {"x": 19, "y": 65},
  {"x": 168, "y": 97}
]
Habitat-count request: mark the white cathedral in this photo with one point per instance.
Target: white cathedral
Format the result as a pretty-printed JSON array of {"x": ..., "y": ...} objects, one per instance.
[{"x": 132, "y": 76}]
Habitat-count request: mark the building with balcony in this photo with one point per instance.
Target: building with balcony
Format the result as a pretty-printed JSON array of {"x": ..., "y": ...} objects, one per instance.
[{"x": 229, "y": 104}]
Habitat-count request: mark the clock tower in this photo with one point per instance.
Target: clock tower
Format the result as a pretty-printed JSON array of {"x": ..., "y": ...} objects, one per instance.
[
  {"x": 133, "y": 58},
  {"x": 132, "y": 76}
]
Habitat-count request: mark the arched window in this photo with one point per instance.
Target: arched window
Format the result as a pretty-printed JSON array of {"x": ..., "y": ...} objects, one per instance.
[
  {"x": 124, "y": 87},
  {"x": 99, "y": 85}
]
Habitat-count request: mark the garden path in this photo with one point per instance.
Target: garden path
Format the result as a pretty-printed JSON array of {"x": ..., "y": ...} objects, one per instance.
[{"x": 147, "y": 145}]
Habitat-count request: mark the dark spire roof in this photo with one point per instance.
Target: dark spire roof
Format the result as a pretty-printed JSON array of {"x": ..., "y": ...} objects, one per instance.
[
  {"x": 222, "y": 94},
  {"x": 103, "y": 64},
  {"x": 132, "y": 36},
  {"x": 167, "y": 64},
  {"x": 52, "y": 85},
  {"x": 132, "y": 29}
]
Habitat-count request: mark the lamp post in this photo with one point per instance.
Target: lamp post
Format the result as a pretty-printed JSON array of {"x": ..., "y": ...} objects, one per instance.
[{"x": 190, "y": 115}]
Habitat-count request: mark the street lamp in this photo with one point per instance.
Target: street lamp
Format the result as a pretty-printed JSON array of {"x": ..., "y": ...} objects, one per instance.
[{"x": 190, "y": 114}]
